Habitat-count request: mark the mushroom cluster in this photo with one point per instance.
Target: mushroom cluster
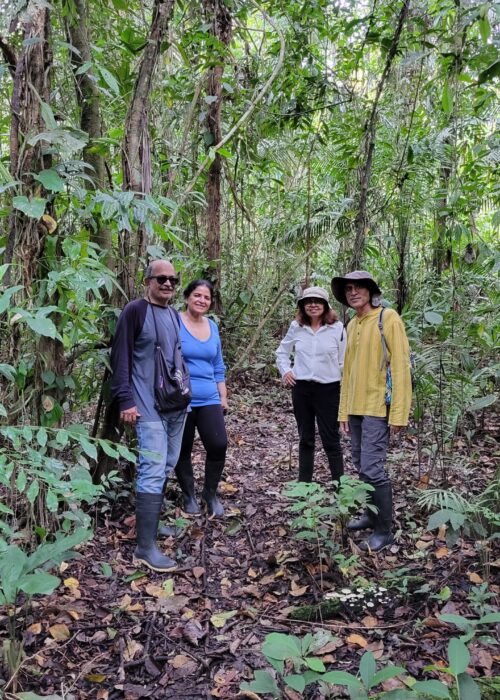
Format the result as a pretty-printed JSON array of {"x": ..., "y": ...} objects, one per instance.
[{"x": 361, "y": 599}]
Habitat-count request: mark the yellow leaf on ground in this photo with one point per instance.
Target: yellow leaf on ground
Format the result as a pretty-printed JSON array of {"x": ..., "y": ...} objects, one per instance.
[
  {"x": 35, "y": 628},
  {"x": 155, "y": 591},
  {"x": 441, "y": 552},
  {"x": 369, "y": 621},
  {"x": 420, "y": 544},
  {"x": 95, "y": 677},
  {"x": 475, "y": 578},
  {"x": 224, "y": 487},
  {"x": 74, "y": 614},
  {"x": 71, "y": 582},
  {"x": 358, "y": 640},
  {"x": 59, "y": 632},
  {"x": 219, "y": 619}
]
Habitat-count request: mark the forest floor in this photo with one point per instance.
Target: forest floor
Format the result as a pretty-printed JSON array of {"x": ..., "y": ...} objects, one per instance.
[{"x": 110, "y": 631}]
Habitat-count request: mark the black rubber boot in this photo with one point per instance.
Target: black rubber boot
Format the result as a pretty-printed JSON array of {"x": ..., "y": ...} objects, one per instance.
[
  {"x": 213, "y": 473},
  {"x": 185, "y": 477},
  {"x": 382, "y": 536},
  {"x": 147, "y": 514},
  {"x": 336, "y": 464},
  {"x": 306, "y": 464},
  {"x": 365, "y": 522}
]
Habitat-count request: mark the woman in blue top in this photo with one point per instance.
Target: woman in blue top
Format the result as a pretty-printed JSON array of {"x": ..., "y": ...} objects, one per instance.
[{"x": 202, "y": 351}]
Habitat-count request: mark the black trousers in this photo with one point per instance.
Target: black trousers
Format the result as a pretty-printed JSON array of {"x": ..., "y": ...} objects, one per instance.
[
  {"x": 317, "y": 403},
  {"x": 209, "y": 420}
]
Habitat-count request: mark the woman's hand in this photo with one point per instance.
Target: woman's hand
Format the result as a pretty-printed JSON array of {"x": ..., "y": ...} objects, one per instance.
[
  {"x": 224, "y": 403},
  {"x": 289, "y": 378}
]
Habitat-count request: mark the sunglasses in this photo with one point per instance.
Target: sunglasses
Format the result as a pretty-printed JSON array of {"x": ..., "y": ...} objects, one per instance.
[
  {"x": 161, "y": 279},
  {"x": 313, "y": 300}
]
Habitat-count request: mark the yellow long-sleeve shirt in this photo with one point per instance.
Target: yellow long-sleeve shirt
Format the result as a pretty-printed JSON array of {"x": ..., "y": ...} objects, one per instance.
[{"x": 363, "y": 380}]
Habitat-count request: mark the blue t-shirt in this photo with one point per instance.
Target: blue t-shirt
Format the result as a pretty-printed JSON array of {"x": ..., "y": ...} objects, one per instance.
[{"x": 205, "y": 364}]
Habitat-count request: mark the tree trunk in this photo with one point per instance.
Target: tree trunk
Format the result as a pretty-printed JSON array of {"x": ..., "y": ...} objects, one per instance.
[
  {"x": 220, "y": 17},
  {"x": 26, "y": 236},
  {"x": 87, "y": 96},
  {"x": 136, "y": 155},
  {"x": 361, "y": 223}
]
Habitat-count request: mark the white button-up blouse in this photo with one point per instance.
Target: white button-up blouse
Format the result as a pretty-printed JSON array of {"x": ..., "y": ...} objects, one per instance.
[{"x": 316, "y": 356}]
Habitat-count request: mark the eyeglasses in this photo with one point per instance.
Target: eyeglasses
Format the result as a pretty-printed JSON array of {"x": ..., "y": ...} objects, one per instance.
[
  {"x": 313, "y": 300},
  {"x": 161, "y": 279}
]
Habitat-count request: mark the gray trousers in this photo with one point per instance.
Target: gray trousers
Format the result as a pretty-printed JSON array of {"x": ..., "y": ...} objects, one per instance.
[{"x": 369, "y": 442}]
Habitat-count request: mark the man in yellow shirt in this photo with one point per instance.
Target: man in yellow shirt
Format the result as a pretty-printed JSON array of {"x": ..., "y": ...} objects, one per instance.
[{"x": 363, "y": 411}]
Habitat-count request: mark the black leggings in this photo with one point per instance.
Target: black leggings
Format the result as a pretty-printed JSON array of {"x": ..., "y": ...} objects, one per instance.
[{"x": 210, "y": 423}]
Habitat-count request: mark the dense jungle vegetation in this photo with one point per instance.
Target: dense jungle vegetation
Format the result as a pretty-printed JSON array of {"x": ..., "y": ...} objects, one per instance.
[{"x": 266, "y": 145}]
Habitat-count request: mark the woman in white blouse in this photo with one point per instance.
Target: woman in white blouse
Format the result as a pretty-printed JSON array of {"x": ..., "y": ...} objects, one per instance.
[{"x": 316, "y": 343}]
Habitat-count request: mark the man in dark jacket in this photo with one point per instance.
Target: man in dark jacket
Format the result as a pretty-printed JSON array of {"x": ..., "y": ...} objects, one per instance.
[{"x": 159, "y": 434}]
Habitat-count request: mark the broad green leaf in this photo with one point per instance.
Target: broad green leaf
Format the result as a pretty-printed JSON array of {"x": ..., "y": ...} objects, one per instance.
[
  {"x": 53, "y": 551},
  {"x": 33, "y": 490},
  {"x": 33, "y": 208},
  {"x": 489, "y": 619},
  {"x": 108, "y": 449},
  {"x": 385, "y": 673},
  {"x": 461, "y": 622},
  {"x": 51, "y": 501},
  {"x": 484, "y": 28},
  {"x": 281, "y": 646},
  {"x": 367, "y": 668},
  {"x": 88, "y": 447},
  {"x": 42, "y": 326},
  {"x": 48, "y": 116},
  {"x": 41, "y": 437},
  {"x": 21, "y": 481},
  {"x": 263, "y": 683},
  {"x": 483, "y": 402},
  {"x": 6, "y": 297},
  {"x": 12, "y": 565},
  {"x": 295, "y": 681},
  {"x": 34, "y": 696},
  {"x": 433, "y": 318},
  {"x": 110, "y": 80},
  {"x": 51, "y": 180},
  {"x": 469, "y": 689},
  {"x": 39, "y": 583},
  {"x": 458, "y": 656},
  {"x": 342, "y": 678},
  {"x": 315, "y": 664},
  {"x": 434, "y": 689}
]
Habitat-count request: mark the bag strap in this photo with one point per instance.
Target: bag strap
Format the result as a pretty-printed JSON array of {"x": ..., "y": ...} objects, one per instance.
[
  {"x": 175, "y": 325},
  {"x": 382, "y": 338}
]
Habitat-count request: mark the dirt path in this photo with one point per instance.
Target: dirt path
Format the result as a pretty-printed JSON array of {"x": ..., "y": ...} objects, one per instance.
[{"x": 113, "y": 632}]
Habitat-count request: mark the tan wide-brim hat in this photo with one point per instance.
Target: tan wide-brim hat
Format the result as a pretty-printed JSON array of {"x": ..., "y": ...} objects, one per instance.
[
  {"x": 339, "y": 283},
  {"x": 314, "y": 293}
]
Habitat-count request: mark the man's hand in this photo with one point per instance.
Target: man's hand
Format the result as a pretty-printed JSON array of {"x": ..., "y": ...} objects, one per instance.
[
  {"x": 130, "y": 415},
  {"x": 344, "y": 427},
  {"x": 396, "y": 429},
  {"x": 289, "y": 379}
]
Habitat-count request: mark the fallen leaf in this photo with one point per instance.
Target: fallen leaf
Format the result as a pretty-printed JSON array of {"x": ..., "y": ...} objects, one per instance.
[
  {"x": 179, "y": 661},
  {"x": 193, "y": 631},
  {"x": 59, "y": 632},
  {"x": 95, "y": 677},
  {"x": 198, "y": 572},
  {"x": 420, "y": 544},
  {"x": 357, "y": 639},
  {"x": 74, "y": 614},
  {"x": 441, "y": 552},
  {"x": 71, "y": 583},
  {"x": 475, "y": 578},
  {"x": 369, "y": 621},
  {"x": 132, "y": 649},
  {"x": 50, "y": 223},
  {"x": 35, "y": 628},
  {"x": 219, "y": 619},
  {"x": 224, "y": 487},
  {"x": 296, "y": 590}
]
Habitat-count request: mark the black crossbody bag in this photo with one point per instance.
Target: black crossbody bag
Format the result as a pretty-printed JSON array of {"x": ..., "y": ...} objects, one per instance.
[{"x": 172, "y": 387}]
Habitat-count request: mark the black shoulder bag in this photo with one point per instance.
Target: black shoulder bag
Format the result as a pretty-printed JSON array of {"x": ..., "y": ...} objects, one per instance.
[{"x": 171, "y": 384}]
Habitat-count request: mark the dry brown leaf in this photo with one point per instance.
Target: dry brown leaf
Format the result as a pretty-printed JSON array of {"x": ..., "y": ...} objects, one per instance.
[
  {"x": 441, "y": 552},
  {"x": 59, "y": 632},
  {"x": 155, "y": 591},
  {"x": 442, "y": 532},
  {"x": 132, "y": 649},
  {"x": 74, "y": 614},
  {"x": 369, "y": 621},
  {"x": 225, "y": 487},
  {"x": 296, "y": 590},
  {"x": 102, "y": 694},
  {"x": 179, "y": 661},
  {"x": 35, "y": 628},
  {"x": 475, "y": 578},
  {"x": 420, "y": 544},
  {"x": 358, "y": 640},
  {"x": 198, "y": 572},
  {"x": 252, "y": 573},
  {"x": 193, "y": 631},
  {"x": 63, "y": 566}
]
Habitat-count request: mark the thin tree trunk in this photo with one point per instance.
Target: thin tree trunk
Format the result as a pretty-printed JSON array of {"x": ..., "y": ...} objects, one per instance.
[
  {"x": 220, "y": 17},
  {"x": 361, "y": 222},
  {"x": 87, "y": 95},
  {"x": 136, "y": 155}
]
